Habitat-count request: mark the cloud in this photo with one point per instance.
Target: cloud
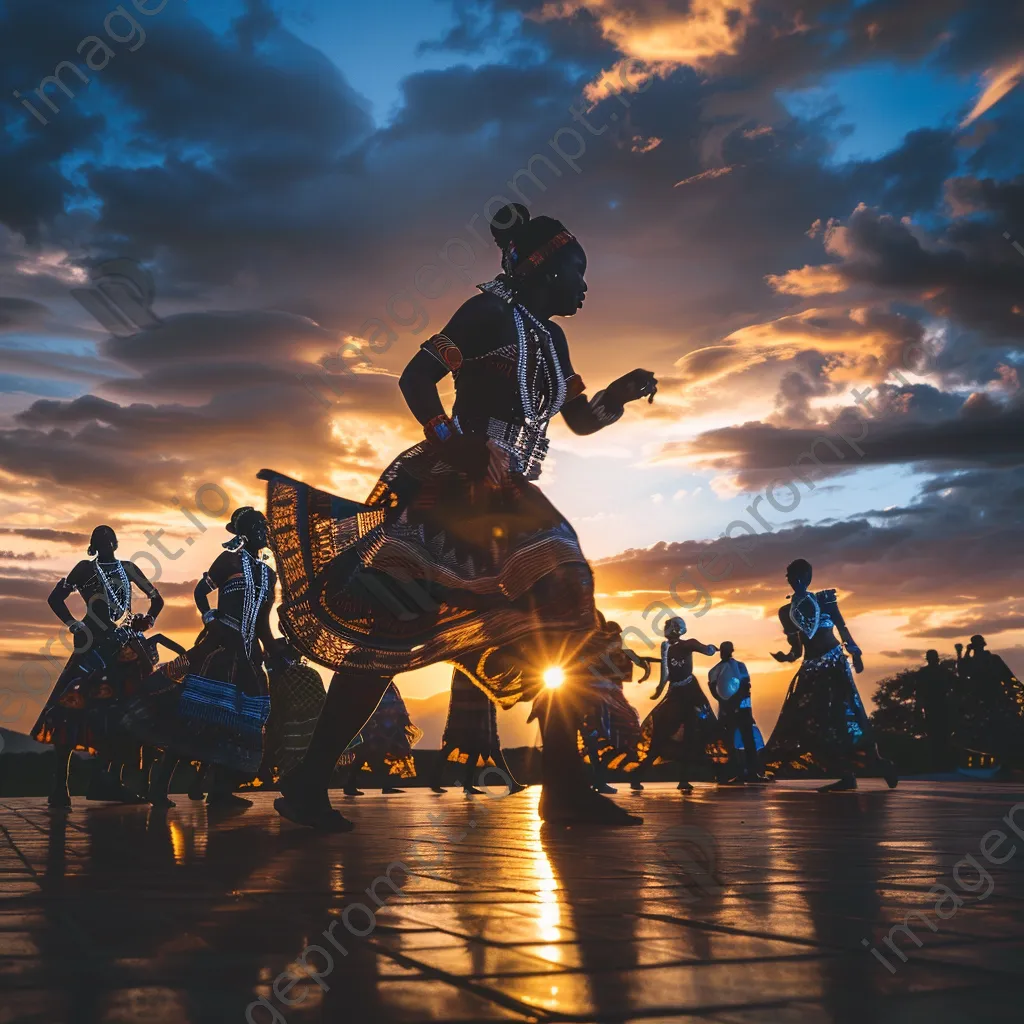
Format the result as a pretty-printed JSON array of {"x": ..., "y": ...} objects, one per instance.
[{"x": 998, "y": 83}]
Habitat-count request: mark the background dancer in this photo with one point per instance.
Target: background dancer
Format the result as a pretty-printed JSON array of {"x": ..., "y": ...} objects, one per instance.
[
  {"x": 933, "y": 690},
  {"x": 822, "y": 723},
  {"x": 211, "y": 704},
  {"x": 470, "y": 736},
  {"x": 682, "y": 727},
  {"x": 456, "y": 553},
  {"x": 84, "y": 708},
  {"x": 991, "y": 719},
  {"x": 610, "y": 732},
  {"x": 729, "y": 683},
  {"x": 384, "y": 745}
]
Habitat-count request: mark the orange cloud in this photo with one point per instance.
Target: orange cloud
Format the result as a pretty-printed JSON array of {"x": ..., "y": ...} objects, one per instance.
[
  {"x": 659, "y": 34},
  {"x": 999, "y": 82}
]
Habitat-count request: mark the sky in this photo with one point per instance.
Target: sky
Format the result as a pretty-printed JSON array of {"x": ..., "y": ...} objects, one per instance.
[{"x": 799, "y": 215}]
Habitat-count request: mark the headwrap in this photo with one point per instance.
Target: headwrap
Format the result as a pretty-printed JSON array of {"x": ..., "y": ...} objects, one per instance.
[{"x": 526, "y": 243}]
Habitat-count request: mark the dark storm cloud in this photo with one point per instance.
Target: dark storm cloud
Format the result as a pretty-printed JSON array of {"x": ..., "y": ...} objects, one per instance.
[
  {"x": 916, "y": 424},
  {"x": 54, "y": 536},
  {"x": 16, "y": 313}
]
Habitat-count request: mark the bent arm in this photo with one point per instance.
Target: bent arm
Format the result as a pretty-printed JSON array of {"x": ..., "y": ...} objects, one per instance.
[
  {"x": 201, "y": 595},
  {"x": 588, "y": 417},
  {"x": 138, "y": 577},
  {"x": 418, "y": 384},
  {"x": 58, "y": 602},
  {"x": 166, "y": 641}
]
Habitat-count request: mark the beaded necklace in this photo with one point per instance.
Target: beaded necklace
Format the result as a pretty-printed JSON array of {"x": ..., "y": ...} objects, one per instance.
[
  {"x": 117, "y": 589},
  {"x": 808, "y": 625},
  {"x": 252, "y": 601}
]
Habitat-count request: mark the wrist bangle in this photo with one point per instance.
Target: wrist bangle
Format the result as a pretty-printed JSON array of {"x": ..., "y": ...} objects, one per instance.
[
  {"x": 209, "y": 616},
  {"x": 440, "y": 429}
]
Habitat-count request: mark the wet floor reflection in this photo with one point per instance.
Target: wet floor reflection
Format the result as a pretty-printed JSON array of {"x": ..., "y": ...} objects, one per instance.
[{"x": 720, "y": 900}]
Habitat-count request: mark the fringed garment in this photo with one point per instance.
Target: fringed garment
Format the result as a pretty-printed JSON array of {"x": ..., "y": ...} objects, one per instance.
[
  {"x": 387, "y": 738},
  {"x": 216, "y": 711},
  {"x": 471, "y": 728},
  {"x": 433, "y": 566},
  {"x": 823, "y": 729}
]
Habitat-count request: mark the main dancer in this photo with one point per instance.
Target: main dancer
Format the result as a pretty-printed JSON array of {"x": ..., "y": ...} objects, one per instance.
[
  {"x": 822, "y": 722},
  {"x": 212, "y": 704},
  {"x": 83, "y": 710},
  {"x": 456, "y": 555},
  {"x": 682, "y": 727}
]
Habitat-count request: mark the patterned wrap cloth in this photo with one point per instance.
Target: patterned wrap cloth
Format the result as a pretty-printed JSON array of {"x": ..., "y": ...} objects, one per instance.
[
  {"x": 297, "y": 697},
  {"x": 472, "y": 723},
  {"x": 822, "y": 726},
  {"x": 84, "y": 709},
  {"x": 610, "y": 718},
  {"x": 683, "y": 727},
  {"x": 388, "y": 736}
]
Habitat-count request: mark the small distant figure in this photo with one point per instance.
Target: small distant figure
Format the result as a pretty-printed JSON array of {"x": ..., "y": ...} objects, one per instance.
[
  {"x": 384, "y": 745},
  {"x": 470, "y": 736},
  {"x": 729, "y": 683},
  {"x": 682, "y": 728},
  {"x": 991, "y": 698},
  {"x": 933, "y": 688}
]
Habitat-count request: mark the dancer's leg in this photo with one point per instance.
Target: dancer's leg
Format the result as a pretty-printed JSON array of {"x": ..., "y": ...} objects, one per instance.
[
  {"x": 351, "y": 699},
  {"x": 160, "y": 779},
  {"x": 469, "y": 779},
  {"x": 197, "y": 791},
  {"x": 222, "y": 789},
  {"x": 437, "y": 779},
  {"x": 60, "y": 797},
  {"x": 502, "y": 765},
  {"x": 351, "y": 787},
  {"x": 567, "y": 796}
]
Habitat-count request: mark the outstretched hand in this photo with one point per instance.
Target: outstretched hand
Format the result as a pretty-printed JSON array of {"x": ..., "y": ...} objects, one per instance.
[{"x": 633, "y": 385}]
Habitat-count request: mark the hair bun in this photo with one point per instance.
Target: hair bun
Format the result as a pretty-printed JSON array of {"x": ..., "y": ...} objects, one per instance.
[{"x": 507, "y": 222}]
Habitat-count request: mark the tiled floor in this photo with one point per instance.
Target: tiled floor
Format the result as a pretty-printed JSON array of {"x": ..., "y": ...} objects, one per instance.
[{"x": 729, "y": 905}]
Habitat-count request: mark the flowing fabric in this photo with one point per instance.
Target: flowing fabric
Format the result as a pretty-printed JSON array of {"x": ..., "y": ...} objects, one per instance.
[
  {"x": 431, "y": 568},
  {"x": 610, "y": 720},
  {"x": 297, "y": 697},
  {"x": 388, "y": 737},
  {"x": 471, "y": 728},
  {"x": 822, "y": 727},
  {"x": 84, "y": 709},
  {"x": 216, "y": 713},
  {"x": 682, "y": 727}
]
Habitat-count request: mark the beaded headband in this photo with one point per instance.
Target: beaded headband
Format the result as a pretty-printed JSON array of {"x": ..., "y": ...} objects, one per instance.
[{"x": 535, "y": 259}]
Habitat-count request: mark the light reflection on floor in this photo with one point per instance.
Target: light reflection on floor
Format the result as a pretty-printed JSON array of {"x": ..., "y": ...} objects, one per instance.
[{"x": 122, "y": 914}]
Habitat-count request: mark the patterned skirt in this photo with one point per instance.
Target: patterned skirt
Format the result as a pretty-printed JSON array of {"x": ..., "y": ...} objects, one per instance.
[
  {"x": 682, "y": 727},
  {"x": 823, "y": 728},
  {"x": 387, "y": 738},
  {"x": 209, "y": 705},
  {"x": 84, "y": 709},
  {"x": 431, "y": 568},
  {"x": 614, "y": 723},
  {"x": 472, "y": 724},
  {"x": 297, "y": 697}
]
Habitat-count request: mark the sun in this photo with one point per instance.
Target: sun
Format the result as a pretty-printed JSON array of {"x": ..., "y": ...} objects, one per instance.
[{"x": 553, "y": 677}]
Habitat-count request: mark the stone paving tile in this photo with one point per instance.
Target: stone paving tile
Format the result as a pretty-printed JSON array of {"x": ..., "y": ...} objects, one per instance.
[{"x": 725, "y": 907}]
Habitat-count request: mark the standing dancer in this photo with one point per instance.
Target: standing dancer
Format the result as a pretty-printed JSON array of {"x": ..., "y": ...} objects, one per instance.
[
  {"x": 456, "y": 555},
  {"x": 682, "y": 727},
  {"x": 211, "y": 704},
  {"x": 933, "y": 691},
  {"x": 822, "y": 722},
  {"x": 384, "y": 744},
  {"x": 470, "y": 732},
  {"x": 83, "y": 711},
  {"x": 729, "y": 683}
]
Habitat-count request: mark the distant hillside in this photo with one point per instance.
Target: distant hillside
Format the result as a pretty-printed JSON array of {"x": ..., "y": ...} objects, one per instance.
[
  {"x": 430, "y": 713},
  {"x": 12, "y": 742}
]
